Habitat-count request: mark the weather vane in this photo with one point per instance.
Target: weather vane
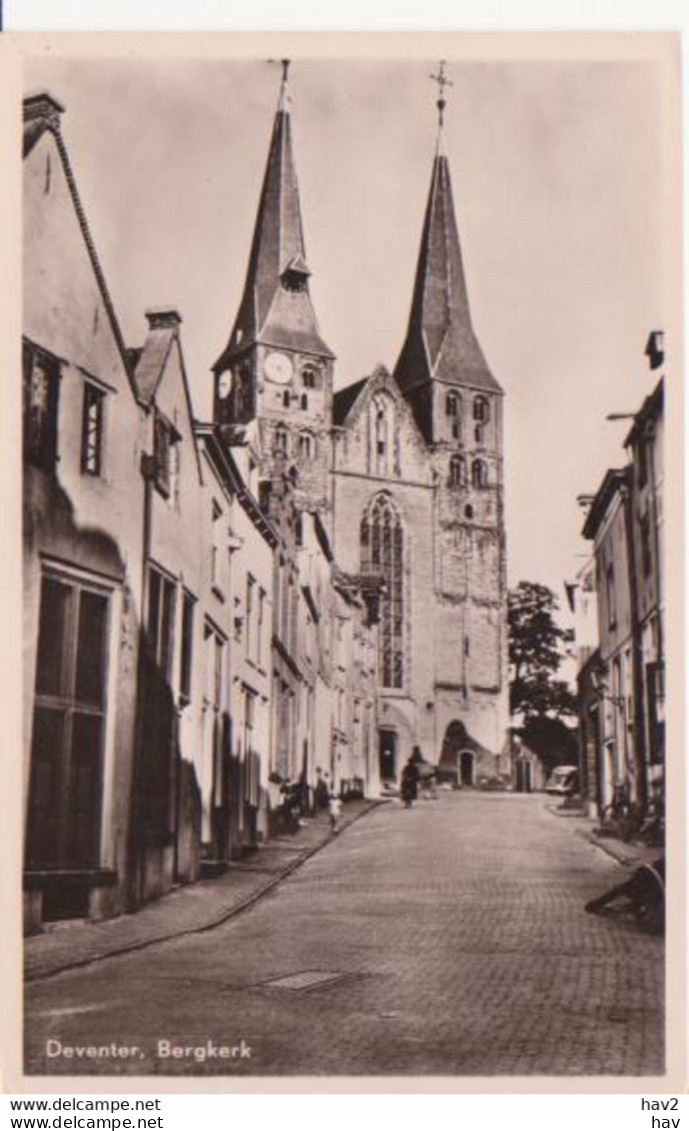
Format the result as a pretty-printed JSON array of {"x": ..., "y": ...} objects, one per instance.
[{"x": 442, "y": 81}]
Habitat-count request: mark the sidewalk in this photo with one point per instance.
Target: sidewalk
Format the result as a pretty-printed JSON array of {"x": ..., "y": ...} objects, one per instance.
[
  {"x": 186, "y": 910},
  {"x": 630, "y": 855}
]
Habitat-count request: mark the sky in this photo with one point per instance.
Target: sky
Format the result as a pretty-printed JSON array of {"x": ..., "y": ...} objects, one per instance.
[{"x": 558, "y": 185}]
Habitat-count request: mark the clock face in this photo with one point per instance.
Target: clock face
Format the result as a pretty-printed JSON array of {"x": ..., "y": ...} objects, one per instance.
[
  {"x": 278, "y": 368},
  {"x": 224, "y": 384}
]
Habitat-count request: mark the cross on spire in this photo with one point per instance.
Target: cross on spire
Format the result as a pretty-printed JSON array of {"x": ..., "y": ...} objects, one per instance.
[{"x": 442, "y": 80}]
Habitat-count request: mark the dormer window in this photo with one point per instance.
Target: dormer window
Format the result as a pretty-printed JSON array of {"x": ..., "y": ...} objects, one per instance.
[{"x": 295, "y": 277}]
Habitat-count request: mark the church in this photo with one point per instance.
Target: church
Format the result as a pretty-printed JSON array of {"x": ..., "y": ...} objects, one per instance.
[{"x": 404, "y": 468}]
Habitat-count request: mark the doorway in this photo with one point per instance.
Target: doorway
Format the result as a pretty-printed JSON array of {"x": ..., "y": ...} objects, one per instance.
[
  {"x": 524, "y": 776},
  {"x": 387, "y": 755},
  {"x": 466, "y": 767}
]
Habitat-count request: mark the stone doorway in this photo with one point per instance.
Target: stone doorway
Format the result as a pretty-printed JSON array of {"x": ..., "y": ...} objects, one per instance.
[{"x": 387, "y": 755}]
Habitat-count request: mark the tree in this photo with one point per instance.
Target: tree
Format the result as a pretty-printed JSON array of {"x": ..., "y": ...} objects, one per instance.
[{"x": 537, "y": 647}]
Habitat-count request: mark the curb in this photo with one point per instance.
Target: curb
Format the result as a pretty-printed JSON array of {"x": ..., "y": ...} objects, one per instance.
[
  {"x": 625, "y": 859},
  {"x": 229, "y": 913}
]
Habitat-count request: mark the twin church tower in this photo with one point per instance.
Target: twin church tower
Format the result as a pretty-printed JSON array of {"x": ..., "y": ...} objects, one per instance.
[{"x": 405, "y": 469}]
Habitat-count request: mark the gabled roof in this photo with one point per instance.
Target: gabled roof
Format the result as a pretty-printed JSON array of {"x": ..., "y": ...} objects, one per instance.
[
  {"x": 268, "y": 311},
  {"x": 650, "y": 410},
  {"x": 441, "y": 343},
  {"x": 42, "y": 114},
  {"x": 343, "y": 399},
  {"x": 614, "y": 481}
]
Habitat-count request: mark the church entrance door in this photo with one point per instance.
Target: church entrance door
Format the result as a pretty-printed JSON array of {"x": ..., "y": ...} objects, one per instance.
[
  {"x": 466, "y": 767},
  {"x": 387, "y": 755}
]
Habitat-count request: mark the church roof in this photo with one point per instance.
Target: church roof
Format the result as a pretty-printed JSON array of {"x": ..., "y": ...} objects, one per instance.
[
  {"x": 440, "y": 341},
  {"x": 343, "y": 400},
  {"x": 268, "y": 311}
]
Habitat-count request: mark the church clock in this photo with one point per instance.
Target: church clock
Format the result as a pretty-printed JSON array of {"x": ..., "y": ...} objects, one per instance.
[{"x": 278, "y": 368}]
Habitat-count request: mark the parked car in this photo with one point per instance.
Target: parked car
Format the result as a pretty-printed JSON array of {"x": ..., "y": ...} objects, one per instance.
[{"x": 563, "y": 780}]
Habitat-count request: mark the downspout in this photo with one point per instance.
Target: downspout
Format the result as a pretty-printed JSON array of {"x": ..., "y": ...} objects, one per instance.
[{"x": 639, "y": 715}]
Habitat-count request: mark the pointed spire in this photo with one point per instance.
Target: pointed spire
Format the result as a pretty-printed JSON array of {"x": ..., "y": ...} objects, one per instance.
[
  {"x": 278, "y": 273},
  {"x": 440, "y": 342}
]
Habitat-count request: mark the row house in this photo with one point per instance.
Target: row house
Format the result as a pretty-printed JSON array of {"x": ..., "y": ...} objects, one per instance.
[
  {"x": 621, "y": 680},
  {"x": 83, "y": 532},
  {"x": 188, "y": 640}
]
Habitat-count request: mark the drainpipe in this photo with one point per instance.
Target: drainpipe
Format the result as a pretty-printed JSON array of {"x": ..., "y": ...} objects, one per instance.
[{"x": 639, "y": 735}]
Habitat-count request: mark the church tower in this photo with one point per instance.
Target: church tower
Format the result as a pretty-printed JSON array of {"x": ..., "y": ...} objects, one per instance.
[
  {"x": 457, "y": 404},
  {"x": 276, "y": 369}
]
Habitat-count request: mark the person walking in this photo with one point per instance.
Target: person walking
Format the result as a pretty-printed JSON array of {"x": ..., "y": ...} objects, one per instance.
[
  {"x": 410, "y": 779},
  {"x": 335, "y": 810}
]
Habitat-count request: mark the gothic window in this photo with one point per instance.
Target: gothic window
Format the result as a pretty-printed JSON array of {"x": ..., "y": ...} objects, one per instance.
[
  {"x": 479, "y": 474},
  {"x": 481, "y": 418},
  {"x": 281, "y": 440},
  {"x": 383, "y": 429},
  {"x": 453, "y": 412},
  {"x": 458, "y": 472},
  {"x": 306, "y": 446},
  {"x": 309, "y": 377},
  {"x": 382, "y": 555}
]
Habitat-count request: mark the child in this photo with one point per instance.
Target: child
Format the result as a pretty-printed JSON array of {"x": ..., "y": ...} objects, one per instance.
[{"x": 335, "y": 809}]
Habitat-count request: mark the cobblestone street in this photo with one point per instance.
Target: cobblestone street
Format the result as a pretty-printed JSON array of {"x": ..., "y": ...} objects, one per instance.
[{"x": 458, "y": 945}]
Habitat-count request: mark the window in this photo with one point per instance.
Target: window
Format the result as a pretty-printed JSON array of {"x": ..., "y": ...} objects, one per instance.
[
  {"x": 286, "y": 399},
  {"x": 458, "y": 472},
  {"x": 161, "y": 622},
  {"x": 304, "y": 401},
  {"x": 306, "y": 446},
  {"x": 68, "y": 725},
  {"x": 259, "y": 635},
  {"x": 187, "y": 648},
  {"x": 481, "y": 418},
  {"x": 382, "y": 554},
  {"x": 479, "y": 474},
  {"x": 41, "y": 392},
  {"x": 216, "y": 515},
  {"x": 281, "y": 440},
  {"x": 646, "y": 556},
  {"x": 162, "y": 454},
  {"x": 383, "y": 427},
  {"x": 611, "y": 595},
  {"x": 451, "y": 405},
  {"x": 249, "y": 610},
  {"x": 92, "y": 430},
  {"x": 310, "y": 377}
]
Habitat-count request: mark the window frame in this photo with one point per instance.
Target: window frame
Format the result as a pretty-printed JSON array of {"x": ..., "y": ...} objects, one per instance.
[
  {"x": 94, "y": 396},
  {"x": 40, "y": 442}
]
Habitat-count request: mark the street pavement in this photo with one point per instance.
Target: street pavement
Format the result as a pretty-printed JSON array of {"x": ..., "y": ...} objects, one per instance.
[{"x": 449, "y": 939}]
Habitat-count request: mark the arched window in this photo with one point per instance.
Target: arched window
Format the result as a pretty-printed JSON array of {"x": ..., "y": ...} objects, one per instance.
[
  {"x": 479, "y": 474},
  {"x": 383, "y": 435},
  {"x": 453, "y": 412},
  {"x": 281, "y": 440},
  {"x": 309, "y": 377},
  {"x": 481, "y": 418},
  {"x": 382, "y": 555},
  {"x": 306, "y": 446},
  {"x": 458, "y": 472}
]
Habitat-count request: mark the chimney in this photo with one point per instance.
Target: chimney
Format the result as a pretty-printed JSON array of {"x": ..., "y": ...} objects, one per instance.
[
  {"x": 163, "y": 318},
  {"x": 655, "y": 349},
  {"x": 45, "y": 109}
]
